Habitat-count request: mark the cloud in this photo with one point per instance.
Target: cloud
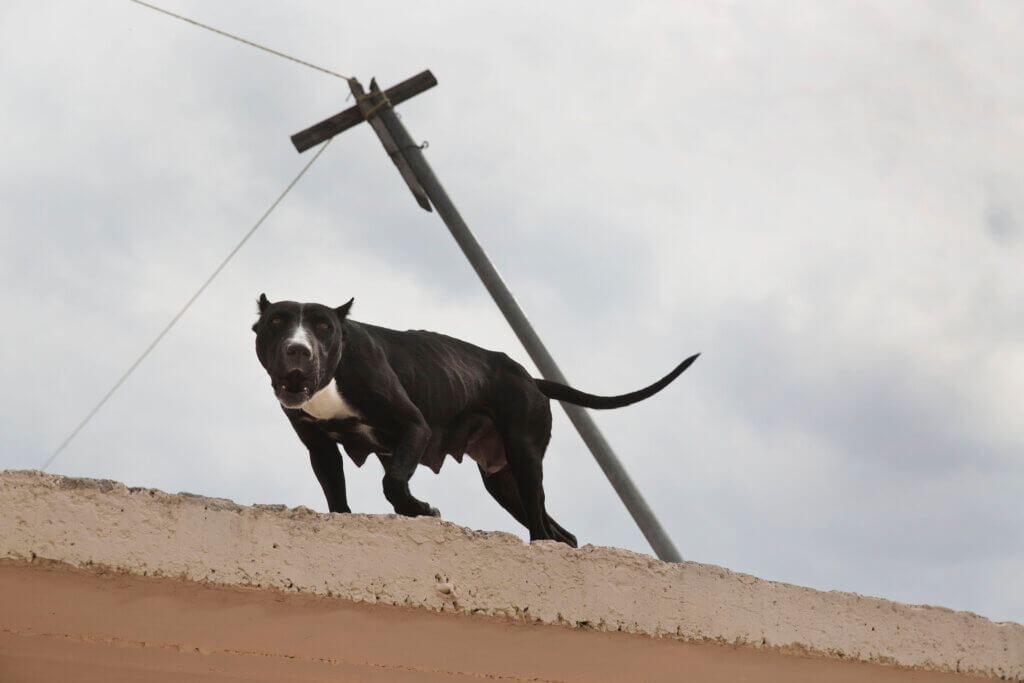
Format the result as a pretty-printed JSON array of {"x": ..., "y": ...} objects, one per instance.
[{"x": 1002, "y": 224}]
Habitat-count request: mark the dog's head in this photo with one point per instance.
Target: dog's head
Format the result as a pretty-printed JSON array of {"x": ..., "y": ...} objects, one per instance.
[{"x": 299, "y": 345}]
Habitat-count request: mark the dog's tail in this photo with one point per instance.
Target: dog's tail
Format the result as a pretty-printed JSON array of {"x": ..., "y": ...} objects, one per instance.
[{"x": 562, "y": 392}]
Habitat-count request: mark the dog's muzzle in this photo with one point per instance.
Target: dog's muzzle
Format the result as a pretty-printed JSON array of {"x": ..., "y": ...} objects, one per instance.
[{"x": 293, "y": 388}]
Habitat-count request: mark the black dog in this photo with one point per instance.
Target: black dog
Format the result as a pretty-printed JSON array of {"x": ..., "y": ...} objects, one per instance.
[{"x": 412, "y": 398}]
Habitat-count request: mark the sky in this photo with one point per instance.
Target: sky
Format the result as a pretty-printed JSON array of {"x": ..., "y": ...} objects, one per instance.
[{"x": 824, "y": 199}]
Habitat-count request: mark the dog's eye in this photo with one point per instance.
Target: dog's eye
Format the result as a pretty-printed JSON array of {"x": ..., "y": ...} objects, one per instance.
[
  {"x": 323, "y": 326},
  {"x": 275, "y": 321}
]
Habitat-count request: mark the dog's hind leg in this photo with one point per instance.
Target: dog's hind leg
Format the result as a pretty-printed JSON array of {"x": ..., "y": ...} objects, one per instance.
[
  {"x": 561, "y": 534},
  {"x": 526, "y": 469},
  {"x": 503, "y": 488},
  {"x": 525, "y": 463}
]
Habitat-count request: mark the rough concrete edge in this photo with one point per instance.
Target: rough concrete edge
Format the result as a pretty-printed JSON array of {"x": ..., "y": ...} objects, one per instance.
[{"x": 1012, "y": 633}]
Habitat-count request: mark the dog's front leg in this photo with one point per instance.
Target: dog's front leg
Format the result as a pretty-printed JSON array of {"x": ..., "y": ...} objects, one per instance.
[
  {"x": 400, "y": 468},
  {"x": 329, "y": 471},
  {"x": 327, "y": 465}
]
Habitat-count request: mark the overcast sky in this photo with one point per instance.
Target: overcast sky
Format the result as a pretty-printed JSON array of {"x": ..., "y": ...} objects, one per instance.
[{"x": 826, "y": 199}]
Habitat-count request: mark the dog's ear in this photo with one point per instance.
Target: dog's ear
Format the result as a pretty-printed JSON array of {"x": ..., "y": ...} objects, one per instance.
[
  {"x": 343, "y": 310},
  {"x": 261, "y": 304}
]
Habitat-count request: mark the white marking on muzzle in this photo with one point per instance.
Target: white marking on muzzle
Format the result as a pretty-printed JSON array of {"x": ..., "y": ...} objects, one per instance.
[{"x": 300, "y": 337}]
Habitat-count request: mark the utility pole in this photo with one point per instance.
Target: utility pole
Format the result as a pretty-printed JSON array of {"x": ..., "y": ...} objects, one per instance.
[{"x": 377, "y": 108}]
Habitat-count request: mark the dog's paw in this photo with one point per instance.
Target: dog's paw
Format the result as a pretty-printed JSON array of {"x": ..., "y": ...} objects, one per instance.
[{"x": 434, "y": 512}]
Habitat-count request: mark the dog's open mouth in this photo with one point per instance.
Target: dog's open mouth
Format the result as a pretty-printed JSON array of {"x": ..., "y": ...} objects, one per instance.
[{"x": 293, "y": 389}]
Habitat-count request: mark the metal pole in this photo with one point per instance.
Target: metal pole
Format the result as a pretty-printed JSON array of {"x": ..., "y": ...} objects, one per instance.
[{"x": 606, "y": 458}]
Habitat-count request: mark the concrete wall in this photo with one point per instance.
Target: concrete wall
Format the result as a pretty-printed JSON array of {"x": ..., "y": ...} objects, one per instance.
[{"x": 436, "y": 565}]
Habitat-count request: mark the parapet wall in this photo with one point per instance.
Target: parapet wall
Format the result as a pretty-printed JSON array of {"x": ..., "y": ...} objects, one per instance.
[{"x": 428, "y": 563}]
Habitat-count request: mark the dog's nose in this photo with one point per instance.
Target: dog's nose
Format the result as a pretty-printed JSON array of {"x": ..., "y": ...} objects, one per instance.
[{"x": 298, "y": 350}]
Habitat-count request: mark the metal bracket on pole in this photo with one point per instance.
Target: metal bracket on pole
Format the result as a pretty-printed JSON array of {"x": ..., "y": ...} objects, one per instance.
[{"x": 399, "y": 143}]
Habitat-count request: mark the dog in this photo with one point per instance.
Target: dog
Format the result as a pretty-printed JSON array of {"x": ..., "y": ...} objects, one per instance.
[{"x": 412, "y": 398}]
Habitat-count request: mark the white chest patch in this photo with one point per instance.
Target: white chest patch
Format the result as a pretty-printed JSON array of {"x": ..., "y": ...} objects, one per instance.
[{"x": 329, "y": 404}]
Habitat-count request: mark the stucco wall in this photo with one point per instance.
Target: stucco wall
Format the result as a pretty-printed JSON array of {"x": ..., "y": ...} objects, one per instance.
[{"x": 436, "y": 565}]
